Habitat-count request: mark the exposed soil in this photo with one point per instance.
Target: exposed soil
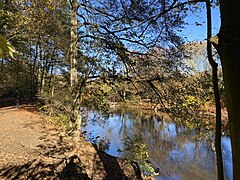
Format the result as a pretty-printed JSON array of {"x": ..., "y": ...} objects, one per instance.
[{"x": 31, "y": 148}]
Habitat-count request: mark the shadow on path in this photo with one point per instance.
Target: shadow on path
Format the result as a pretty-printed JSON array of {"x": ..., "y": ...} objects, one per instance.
[{"x": 52, "y": 159}]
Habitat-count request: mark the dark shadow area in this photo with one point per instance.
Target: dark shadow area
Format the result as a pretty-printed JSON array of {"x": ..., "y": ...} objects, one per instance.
[
  {"x": 12, "y": 102},
  {"x": 113, "y": 170},
  {"x": 36, "y": 169},
  {"x": 73, "y": 170},
  {"x": 8, "y": 102},
  {"x": 112, "y": 166}
]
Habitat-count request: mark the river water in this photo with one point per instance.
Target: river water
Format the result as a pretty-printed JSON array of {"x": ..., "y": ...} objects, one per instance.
[{"x": 178, "y": 151}]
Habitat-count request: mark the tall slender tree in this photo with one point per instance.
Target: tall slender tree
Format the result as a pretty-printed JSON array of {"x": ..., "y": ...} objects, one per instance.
[
  {"x": 214, "y": 65},
  {"x": 75, "y": 117}
]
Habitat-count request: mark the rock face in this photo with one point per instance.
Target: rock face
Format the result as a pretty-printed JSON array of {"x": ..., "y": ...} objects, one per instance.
[{"x": 31, "y": 148}]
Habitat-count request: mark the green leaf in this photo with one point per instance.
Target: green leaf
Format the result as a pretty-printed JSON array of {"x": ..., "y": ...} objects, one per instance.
[{"x": 6, "y": 47}]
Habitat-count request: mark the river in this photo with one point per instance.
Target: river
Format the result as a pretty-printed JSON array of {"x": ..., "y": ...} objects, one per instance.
[{"x": 178, "y": 151}]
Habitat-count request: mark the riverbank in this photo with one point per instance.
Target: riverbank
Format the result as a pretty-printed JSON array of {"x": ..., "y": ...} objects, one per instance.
[{"x": 32, "y": 148}]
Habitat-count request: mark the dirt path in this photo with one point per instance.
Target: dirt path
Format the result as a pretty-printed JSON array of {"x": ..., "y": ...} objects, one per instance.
[
  {"x": 19, "y": 134},
  {"x": 30, "y": 148}
]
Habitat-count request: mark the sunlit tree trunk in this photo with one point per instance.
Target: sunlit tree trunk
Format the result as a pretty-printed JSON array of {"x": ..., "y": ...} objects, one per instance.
[
  {"x": 229, "y": 50},
  {"x": 75, "y": 116},
  {"x": 50, "y": 76},
  {"x": 42, "y": 84},
  {"x": 43, "y": 60}
]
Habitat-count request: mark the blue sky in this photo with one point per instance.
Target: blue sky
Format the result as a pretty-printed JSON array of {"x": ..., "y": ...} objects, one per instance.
[{"x": 193, "y": 32}]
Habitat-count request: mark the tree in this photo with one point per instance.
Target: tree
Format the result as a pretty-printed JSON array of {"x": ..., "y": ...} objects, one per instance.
[
  {"x": 218, "y": 132},
  {"x": 100, "y": 34},
  {"x": 39, "y": 30},
  {"x": 75, "y": 116},
  {"x": 227, "y": 45}
]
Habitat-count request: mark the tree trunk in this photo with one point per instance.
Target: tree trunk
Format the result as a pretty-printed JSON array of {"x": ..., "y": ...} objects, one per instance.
[
  {"x": 75, "y": 117},
  {"x": 228, "y": 48},
  {"x": 52, "y": 87},
  {"x": 42, "y": 76},
  {"x": 2, "y": 66},
  {"x": 50, "y": 76},
  {"x": 42, "y": 82},
  {"x": 214, "y": 65}
]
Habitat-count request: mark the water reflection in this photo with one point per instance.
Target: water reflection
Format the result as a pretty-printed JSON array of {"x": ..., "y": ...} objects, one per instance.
[{"x": 179, "y": 152}]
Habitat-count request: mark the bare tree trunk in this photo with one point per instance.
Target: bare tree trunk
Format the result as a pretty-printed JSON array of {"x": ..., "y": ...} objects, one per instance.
[
  {"x": 33, "y": 80},
  {"x": 52, "y": 87},
  {"x": 42, "y": 85},
  {"x": 42, "y": 79},
  {"x": 75, "y": 117},
  {"x": 2, "y": 65},
  {"x": 227, "y": 45},
  {"x": 50, "y": 76},
  {"x": 36, "y": 68},
  {"x": 218, "y": 132}
]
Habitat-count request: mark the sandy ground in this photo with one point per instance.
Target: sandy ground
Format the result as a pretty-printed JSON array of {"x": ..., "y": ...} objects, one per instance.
[{"x": 31, "y": 148}]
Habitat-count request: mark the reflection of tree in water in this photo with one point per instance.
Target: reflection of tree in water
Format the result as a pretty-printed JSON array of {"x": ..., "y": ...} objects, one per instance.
[
  {"x": 173, "y": 147},
  {"x": 172, "y": 144},
  {"x": 95, "y": 118},
  {"x": 123, "y": 128}
]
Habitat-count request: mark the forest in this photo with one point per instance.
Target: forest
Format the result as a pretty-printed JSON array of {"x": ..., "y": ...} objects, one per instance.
[{"x": 72, "y": 59}]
